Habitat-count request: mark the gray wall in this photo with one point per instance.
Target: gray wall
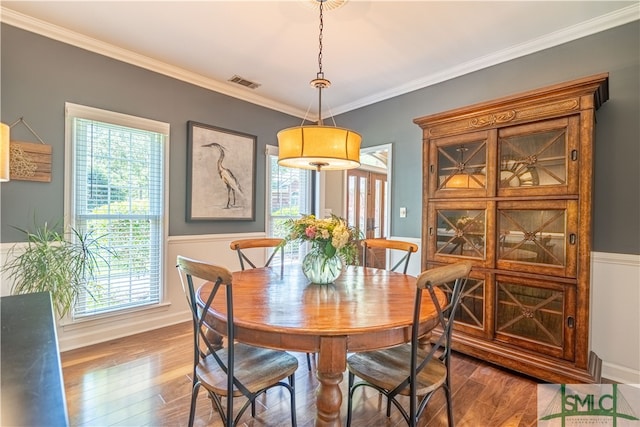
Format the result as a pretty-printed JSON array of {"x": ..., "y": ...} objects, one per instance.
[
  {"x": 39, "y": 75},
  {"x": 617, "y": 165}
]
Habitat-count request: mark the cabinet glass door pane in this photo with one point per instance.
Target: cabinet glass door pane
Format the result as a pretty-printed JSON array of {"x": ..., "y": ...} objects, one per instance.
[
  {"x": 461, "y": 232},
  {"x": 536, "y": 236},
  {"x": 533, "y": 159},
  {"x": 462, "y": 166},
  {"x": 471, "y": 309},
  {"x": 530, "y": 312}
]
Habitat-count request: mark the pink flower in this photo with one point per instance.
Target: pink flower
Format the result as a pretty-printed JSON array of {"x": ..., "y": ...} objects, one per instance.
[{"x": 310, "y": 231}]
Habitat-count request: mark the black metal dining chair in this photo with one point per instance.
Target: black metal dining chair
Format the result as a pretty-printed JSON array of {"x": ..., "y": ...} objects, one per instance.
[
  {"x": 410, "y": 369},
  {"x": 237, "y": 370}
]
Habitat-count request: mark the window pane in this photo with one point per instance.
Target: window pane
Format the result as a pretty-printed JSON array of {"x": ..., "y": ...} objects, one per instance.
[
  {"x": 362, "y": 214},
  {"x": 378, "y": 226},
  {"x": 118, "y": 195},
  {"x": 351, "y": 200},
  {"x": 289, "y": 195}
]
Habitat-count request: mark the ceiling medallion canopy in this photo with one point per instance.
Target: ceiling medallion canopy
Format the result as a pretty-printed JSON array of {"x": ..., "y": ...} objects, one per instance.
[
  {"x": 318, "y": 146},
  {"x": 327, "y": 5}
]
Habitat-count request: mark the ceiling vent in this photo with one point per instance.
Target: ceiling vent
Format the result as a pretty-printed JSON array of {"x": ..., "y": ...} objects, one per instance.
[{"x": 244, "y": 82}]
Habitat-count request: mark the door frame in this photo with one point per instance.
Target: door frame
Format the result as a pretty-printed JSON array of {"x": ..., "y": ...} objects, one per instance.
[{"x": 389, "y": 149}]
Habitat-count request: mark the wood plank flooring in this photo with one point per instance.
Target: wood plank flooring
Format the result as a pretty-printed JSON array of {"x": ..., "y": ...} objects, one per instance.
[{"x": 145, "y": 380}]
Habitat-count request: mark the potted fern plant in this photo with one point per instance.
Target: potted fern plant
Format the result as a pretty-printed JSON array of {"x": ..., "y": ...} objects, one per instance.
[{"x": 51, "y": 262}]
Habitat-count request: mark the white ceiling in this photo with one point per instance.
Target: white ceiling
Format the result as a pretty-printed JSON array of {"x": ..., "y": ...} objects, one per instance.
[{"x": 372, "y": 50}]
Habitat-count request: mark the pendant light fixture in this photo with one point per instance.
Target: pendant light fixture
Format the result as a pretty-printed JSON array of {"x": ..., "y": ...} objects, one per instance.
[{"x": 318, "y": 146}]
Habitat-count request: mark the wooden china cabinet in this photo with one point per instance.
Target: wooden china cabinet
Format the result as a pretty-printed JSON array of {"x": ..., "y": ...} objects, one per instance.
[{"x": 508, "y": 184}]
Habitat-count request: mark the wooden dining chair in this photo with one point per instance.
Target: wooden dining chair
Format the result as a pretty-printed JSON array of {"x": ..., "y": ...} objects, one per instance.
[
  {"x": 370, "y": 245},
  {"x": 410, "y": 369},
  {"x": 237, "y": 369},
  {"x": 241, "y": 246}
]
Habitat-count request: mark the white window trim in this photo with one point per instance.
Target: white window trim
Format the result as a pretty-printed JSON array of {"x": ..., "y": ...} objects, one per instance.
[
  {"x": 269, "y": 150},
  {"x": 72, "y": 110}
]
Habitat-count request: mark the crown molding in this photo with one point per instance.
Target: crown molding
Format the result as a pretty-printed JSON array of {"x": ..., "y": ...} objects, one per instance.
[
  {"x": 593, "y": 26},
  {"x": 72, "y": 38},
  {"x": 587, "y": 28}
]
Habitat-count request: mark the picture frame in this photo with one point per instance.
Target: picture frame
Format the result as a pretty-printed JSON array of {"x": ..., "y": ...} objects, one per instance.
[{"x": 220, "y": 174}]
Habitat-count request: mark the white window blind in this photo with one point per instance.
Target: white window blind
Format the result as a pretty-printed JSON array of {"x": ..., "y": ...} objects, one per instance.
[{"x": 117, "y": 193}]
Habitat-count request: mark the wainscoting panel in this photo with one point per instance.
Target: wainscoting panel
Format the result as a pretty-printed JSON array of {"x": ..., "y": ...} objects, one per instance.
[
  {"x": 173, "y": 309},
  {"x": 615, "y": 315},
  {"x": 615, "y": 302}
]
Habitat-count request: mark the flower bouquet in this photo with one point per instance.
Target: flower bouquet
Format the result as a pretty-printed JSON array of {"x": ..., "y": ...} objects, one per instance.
[{"x": 333, "y": 242}]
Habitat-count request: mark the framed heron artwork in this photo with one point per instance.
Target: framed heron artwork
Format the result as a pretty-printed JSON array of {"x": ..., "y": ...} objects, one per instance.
[{"x": 220, "y": 174}]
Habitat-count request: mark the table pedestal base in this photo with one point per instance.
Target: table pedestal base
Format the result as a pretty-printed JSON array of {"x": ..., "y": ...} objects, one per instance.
[
  {"x": 329, "y": 400},
  {"x": 332, "y": 362}
]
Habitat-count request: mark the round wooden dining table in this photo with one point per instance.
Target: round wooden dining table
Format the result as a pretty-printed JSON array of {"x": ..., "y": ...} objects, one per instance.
[{"x": 364, "y": 309}]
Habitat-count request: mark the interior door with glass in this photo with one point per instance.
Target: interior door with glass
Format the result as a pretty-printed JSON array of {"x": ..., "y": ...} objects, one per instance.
[{"x": 366, "y": 207}]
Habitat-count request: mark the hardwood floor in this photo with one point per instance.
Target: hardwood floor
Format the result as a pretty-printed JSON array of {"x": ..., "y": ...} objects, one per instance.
[{"x": 145, "y": 380}]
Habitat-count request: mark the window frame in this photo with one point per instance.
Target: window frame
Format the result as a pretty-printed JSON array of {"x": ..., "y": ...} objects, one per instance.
[
  {"x": 270, "y": 151},
  {"x": 73, "y": 111}
]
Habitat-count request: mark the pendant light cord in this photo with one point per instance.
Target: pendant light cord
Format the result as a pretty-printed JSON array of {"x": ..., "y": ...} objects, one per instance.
[
  {"x": 320, "y": 73},
  {"x": 320, "y": 82}
]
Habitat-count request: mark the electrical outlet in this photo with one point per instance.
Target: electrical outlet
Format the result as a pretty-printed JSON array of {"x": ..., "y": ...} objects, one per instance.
[{"x": 403, "y": 212}]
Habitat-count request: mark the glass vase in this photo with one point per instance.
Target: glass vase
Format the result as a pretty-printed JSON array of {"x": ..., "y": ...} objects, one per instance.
[{"x": 321, "y": 269}]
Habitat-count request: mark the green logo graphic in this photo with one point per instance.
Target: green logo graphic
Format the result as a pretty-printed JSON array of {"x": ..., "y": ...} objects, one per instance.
[{"x": 589, "y": 404}]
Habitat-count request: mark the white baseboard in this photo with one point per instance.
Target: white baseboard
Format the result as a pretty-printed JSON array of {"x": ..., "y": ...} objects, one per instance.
[
  {"x": 84, "y": 337},
  {"x": 620, "y": 374}
]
